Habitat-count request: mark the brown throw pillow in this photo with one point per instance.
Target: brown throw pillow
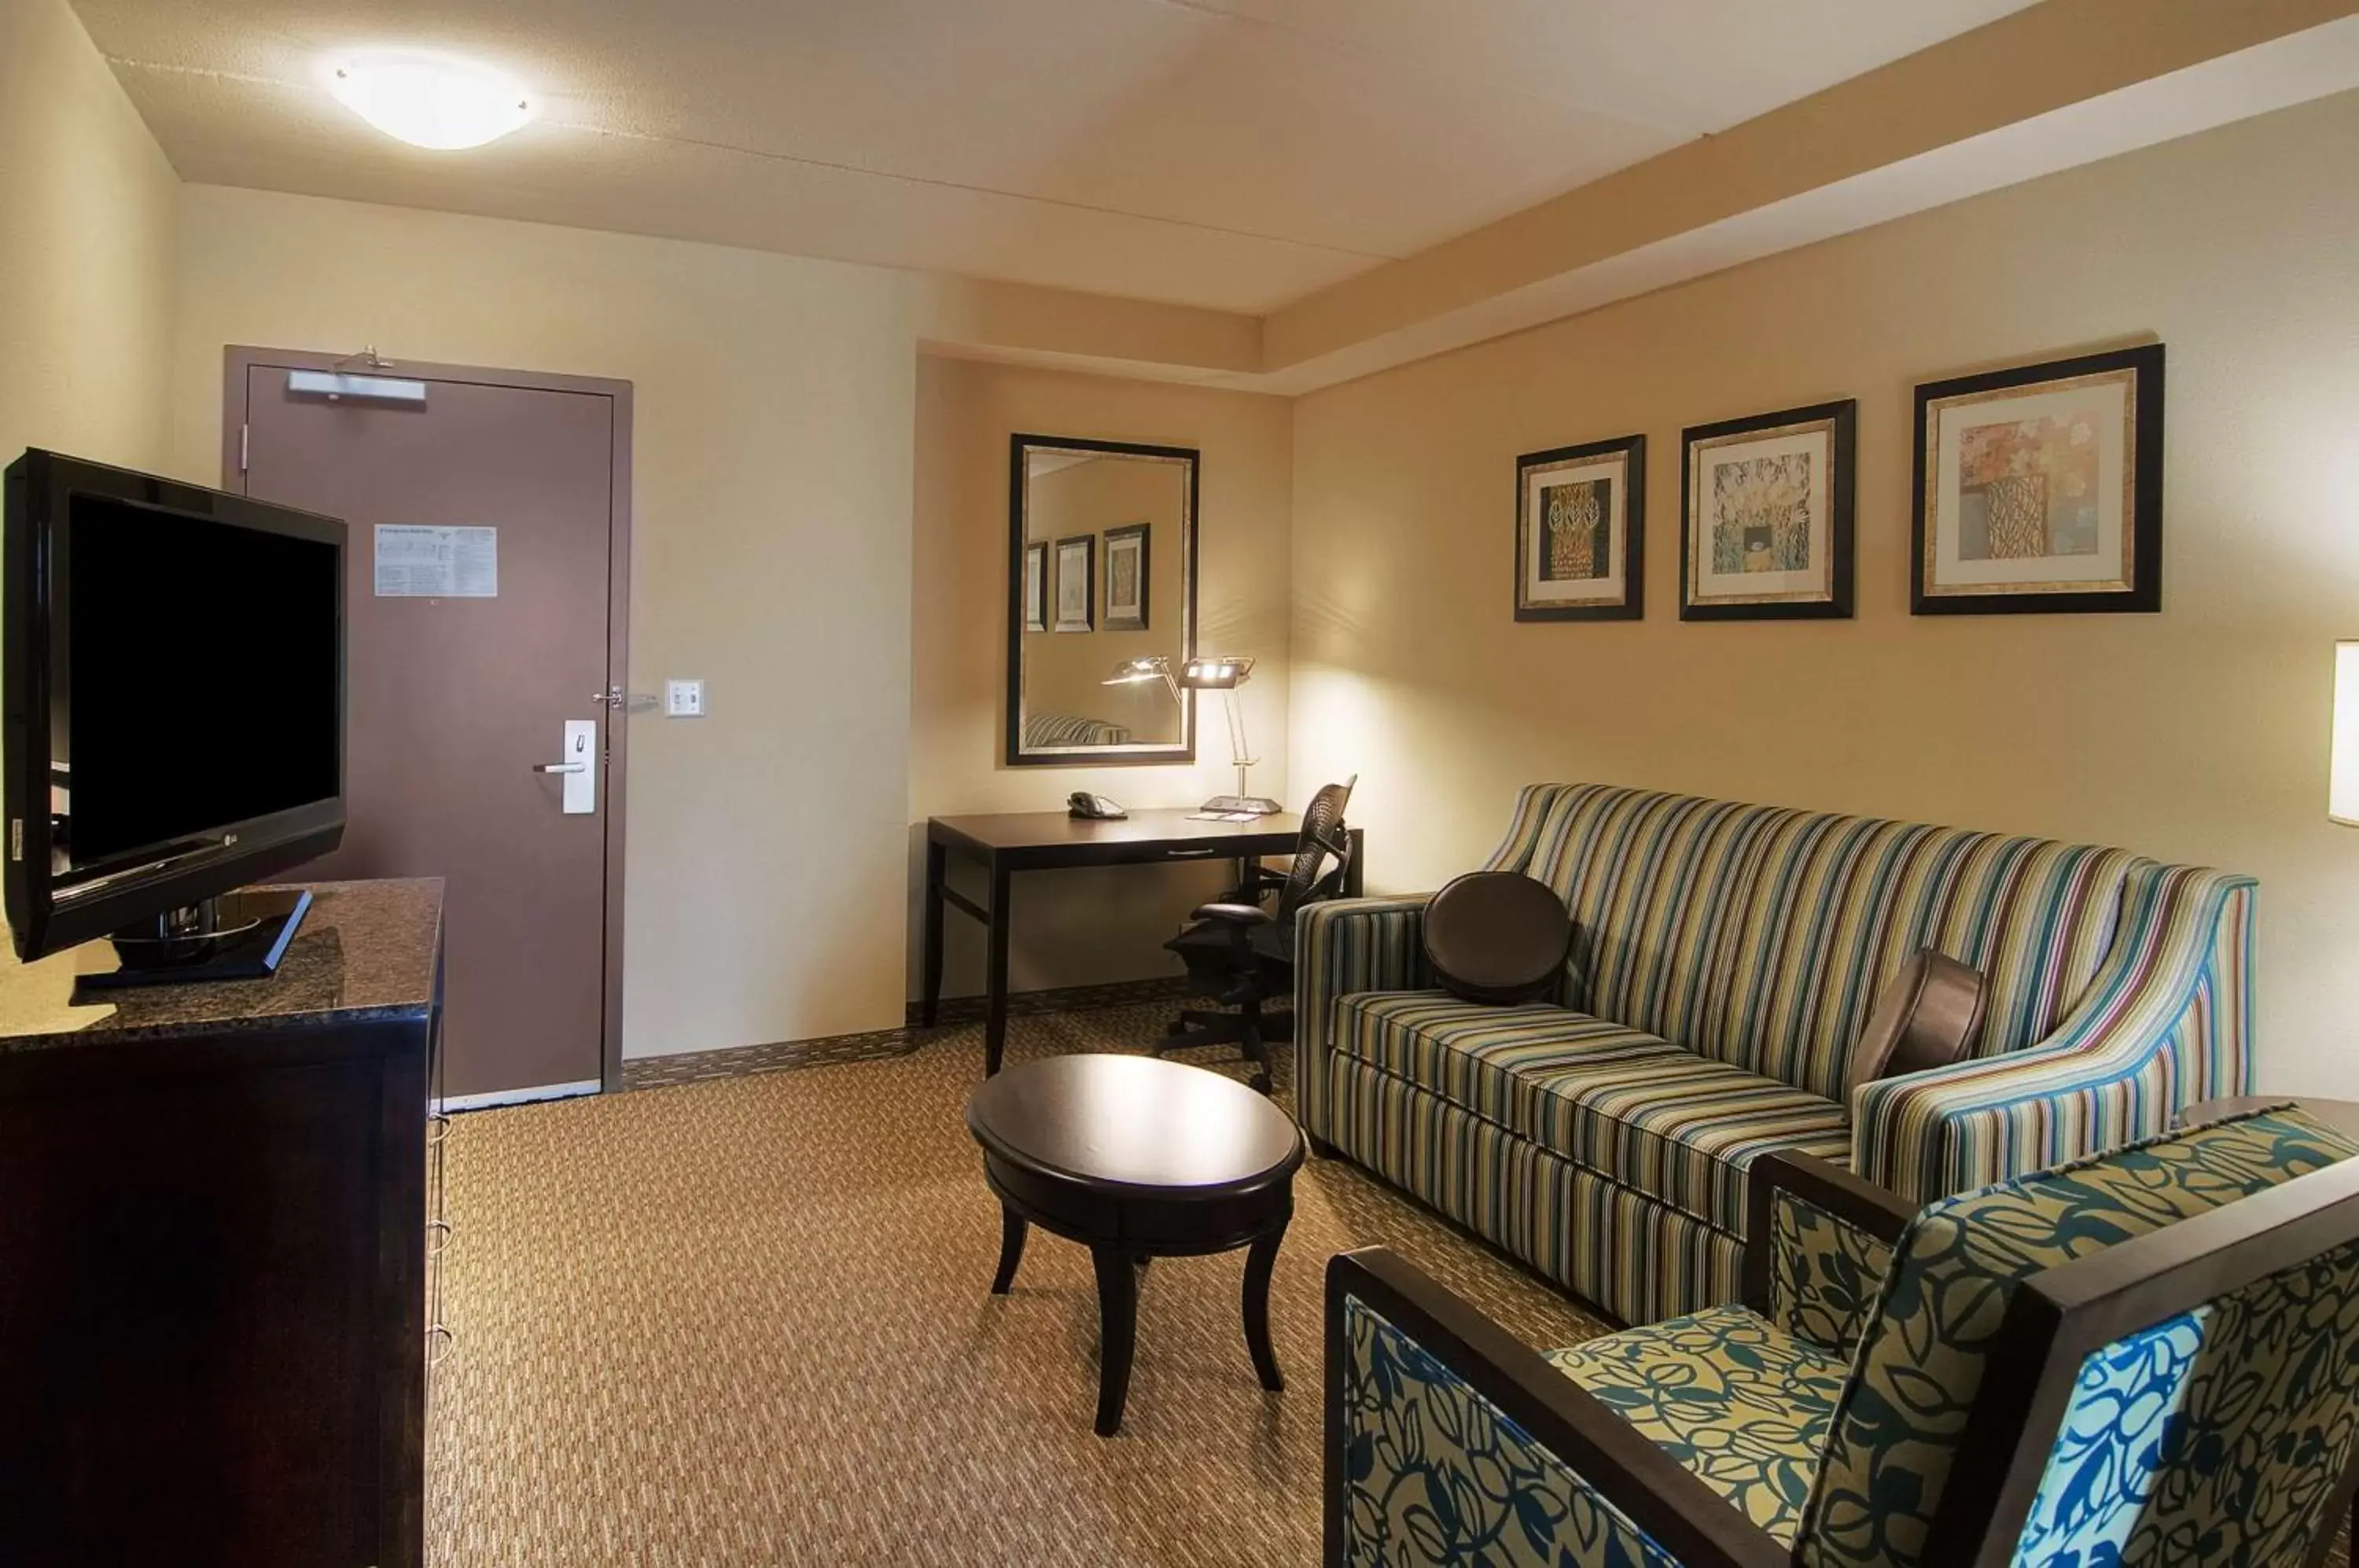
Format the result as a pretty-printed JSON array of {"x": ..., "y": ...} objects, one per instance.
[
  {"x": 1926, "y": 1018},
  {"x": 1498, "y": 938}
]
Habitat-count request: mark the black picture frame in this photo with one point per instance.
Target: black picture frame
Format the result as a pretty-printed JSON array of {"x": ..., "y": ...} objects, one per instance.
[
  {"x": 2144, "y": 364},
  {"x": 1841, "y": 418},
  {"x": 1630, "y": 537},
  {"x": 1088, "y": 545},
  {"x": 1107, "y": 620}
]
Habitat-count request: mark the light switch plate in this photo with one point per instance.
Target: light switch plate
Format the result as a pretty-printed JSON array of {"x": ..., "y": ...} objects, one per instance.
[{"x": 683, "y": 699}]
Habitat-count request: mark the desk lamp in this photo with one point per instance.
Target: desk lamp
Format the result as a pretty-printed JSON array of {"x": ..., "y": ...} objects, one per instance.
[{"x": 1223, "y": 675}]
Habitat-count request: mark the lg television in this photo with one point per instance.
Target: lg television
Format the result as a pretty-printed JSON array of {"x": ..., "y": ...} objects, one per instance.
[{"x": 172, "y": 672}]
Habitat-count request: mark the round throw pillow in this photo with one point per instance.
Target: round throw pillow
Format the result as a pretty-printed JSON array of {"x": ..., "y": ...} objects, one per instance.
[{"x": 1498, "y": 937}]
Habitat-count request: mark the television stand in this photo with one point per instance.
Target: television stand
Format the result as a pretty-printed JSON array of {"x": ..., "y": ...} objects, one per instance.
[
  {"x": 220, "y": 1303},
  {"x": 238, "y": 936}
]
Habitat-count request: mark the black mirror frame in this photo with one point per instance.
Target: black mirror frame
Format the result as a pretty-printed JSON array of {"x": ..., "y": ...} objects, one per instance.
[{"x": 1124, "y": 756}]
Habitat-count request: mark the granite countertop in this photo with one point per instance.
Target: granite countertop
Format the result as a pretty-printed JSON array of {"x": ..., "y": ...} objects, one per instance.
[{"x": 367, "y": 950}]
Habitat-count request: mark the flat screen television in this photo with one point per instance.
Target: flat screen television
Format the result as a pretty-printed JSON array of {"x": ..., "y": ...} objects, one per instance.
[{"x": 172, "y": 670}]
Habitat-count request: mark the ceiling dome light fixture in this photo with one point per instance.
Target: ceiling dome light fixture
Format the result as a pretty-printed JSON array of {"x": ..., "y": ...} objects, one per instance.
[{"x": 429, "y": 103}]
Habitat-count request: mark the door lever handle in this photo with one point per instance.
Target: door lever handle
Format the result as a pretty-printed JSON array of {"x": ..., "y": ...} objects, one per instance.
[{"x": 560, "y": 767}]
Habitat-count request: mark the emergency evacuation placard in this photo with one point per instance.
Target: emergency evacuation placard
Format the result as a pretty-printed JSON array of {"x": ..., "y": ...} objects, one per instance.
[{"x": 422, "y": 562}]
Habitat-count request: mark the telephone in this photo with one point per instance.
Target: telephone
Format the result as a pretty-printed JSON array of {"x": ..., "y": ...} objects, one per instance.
[{"x": 1082, "y": 803}]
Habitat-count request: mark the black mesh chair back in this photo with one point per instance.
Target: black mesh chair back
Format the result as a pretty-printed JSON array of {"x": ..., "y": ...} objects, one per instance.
[
  {"x": 1241, "y": 951},
  {"x": 1323, "y": 839}
]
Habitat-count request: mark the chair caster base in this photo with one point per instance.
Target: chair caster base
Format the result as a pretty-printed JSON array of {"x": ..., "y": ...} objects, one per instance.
[{"x": 1193, "y": 1029}]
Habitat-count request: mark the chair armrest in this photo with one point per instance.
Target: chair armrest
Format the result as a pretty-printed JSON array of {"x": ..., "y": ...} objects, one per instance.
[
  {"x": 1233, "y": 914},
  {"x": 1818, "y": 1243},
  {"x": 2165, "y": 1022},
  {"x": 1342, "y": 946},
  {"x": 1428, "y": 1399}
]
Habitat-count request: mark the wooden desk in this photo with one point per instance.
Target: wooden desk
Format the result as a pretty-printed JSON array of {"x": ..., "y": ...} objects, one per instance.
[{"x": 1008, "y": 842}]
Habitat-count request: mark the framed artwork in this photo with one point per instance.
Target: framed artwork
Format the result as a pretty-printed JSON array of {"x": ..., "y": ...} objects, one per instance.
[
  {"x": 1581, "y": 532},
  {"x": 2041, "y": 488},
  {"x": 1126, "y": 577},
  {"x": 1077, "y": 565},
  {"x": 1036, "y": 586},
  {"x": 1766, "y": 505}
]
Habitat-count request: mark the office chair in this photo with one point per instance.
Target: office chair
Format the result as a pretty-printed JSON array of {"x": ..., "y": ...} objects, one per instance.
[{"x": 1242, "y": 954}]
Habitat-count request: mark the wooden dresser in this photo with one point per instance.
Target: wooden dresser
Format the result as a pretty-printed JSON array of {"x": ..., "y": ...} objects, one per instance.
[{"x": 218, "y": 1205}]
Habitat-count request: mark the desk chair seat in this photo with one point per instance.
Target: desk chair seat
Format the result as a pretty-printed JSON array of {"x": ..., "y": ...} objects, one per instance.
[
  {"x": 1241, "y": 953},
  {"x": 1209, "y": 937}
]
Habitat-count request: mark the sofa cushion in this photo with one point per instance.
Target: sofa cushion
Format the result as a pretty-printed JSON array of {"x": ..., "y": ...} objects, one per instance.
[
  {"x": 1680, "y": 1128},
  {"x": 1655, "y": 884},
  {"x": 1760, "y": 936},
  {"x": 1629, "y": 1105},
  {"x": 1926, "y": 1018},
  {"x": 1475, "y": 1055},
  {"x": 1498, "y": 937},
  {"x": 1740, "y": 1403}
]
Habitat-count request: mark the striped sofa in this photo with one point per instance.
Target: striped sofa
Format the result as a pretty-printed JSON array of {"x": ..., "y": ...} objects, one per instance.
[{"x": 1725, "y": 957}]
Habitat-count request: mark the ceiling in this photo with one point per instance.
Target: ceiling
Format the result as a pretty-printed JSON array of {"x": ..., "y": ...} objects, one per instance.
[{"x": 1231, "y": 154}]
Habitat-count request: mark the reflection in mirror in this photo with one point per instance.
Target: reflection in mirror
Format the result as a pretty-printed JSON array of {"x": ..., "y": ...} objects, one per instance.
[{"x": 1102, "y": 583}]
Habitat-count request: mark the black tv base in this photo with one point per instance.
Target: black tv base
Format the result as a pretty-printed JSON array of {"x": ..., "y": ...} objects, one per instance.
[{"x": 238, "y": 936}]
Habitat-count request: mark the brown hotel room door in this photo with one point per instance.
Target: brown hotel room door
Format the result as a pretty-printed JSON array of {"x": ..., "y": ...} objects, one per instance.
[{"x": 488, "y": 513}]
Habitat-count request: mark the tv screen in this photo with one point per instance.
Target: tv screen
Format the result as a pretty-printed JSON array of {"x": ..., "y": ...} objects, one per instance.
[
  {"x": 174, "y": 693},
  {"x": 199, "y": 686}
]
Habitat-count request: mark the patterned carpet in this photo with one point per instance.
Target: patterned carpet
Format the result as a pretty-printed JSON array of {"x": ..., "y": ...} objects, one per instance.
[{"x": 747, "y": 1322}]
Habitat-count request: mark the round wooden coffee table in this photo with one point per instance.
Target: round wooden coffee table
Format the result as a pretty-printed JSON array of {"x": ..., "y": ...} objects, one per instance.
[{"x": 1137, "y": 1157}]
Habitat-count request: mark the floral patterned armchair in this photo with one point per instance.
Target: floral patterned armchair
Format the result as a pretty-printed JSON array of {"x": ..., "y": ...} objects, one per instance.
[{"x": 2149, "y": 1355}]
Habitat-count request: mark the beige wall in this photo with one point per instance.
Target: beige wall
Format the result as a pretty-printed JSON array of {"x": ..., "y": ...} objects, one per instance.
[
  {"x": 2198, "y": 735},
  {"x": 1081, "y": 927},
  {"x": 85, "y": 250},
  {"x": 771, "y": 543},
  {"x": 1361, "y": 536}
]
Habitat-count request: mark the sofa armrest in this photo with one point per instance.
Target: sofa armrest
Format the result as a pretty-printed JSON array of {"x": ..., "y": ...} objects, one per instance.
[
  {"x": 1818, "y": 1243},
  {"x": 2166, "y": 1021},
  {"x": 1342, "y": 946},
  {"x": 1448, "y": 1441}
]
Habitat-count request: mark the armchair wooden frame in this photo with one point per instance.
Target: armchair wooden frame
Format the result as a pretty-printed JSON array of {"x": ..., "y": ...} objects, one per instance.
[{"x": 2056, "y": 1321}]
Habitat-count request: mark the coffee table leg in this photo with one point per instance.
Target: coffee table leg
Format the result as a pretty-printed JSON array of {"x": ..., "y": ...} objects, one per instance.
[
  {"x": 1258, "y": 1264},
  {"x": 1117, "y": 1332},
  {"x": 1011, "y": 1249}
]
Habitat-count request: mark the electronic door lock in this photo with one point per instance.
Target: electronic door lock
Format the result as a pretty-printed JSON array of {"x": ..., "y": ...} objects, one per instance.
[{"x": 579, "y": 769}]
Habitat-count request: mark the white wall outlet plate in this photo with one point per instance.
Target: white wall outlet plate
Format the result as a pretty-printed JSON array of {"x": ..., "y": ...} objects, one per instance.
[{"x": 683, "y": 699}]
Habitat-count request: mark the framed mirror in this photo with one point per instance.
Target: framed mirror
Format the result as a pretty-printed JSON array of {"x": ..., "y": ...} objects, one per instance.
[{"x": 1101, "y": 602}]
